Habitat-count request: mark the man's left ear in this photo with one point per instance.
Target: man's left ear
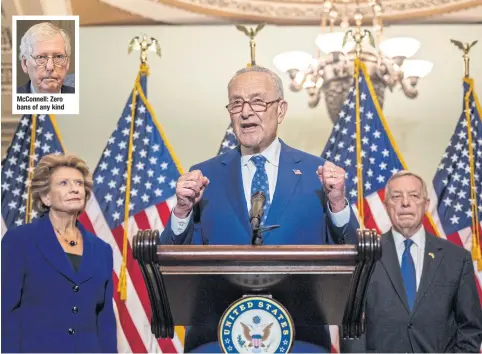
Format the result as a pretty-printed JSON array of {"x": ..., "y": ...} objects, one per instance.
[
  {"x": 282, "y": 109},
  {"x": 23, "y": 62},
  {"x": 427, "y": 205}
]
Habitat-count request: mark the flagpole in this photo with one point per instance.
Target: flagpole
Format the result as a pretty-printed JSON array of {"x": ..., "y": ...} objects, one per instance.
[
  {"x": 476, "y": 253},
  {"x": 359, "y": 168},
  {"x": 144, "y": 44},
  {"x": 358, "y": 37},
  {"x": 31, "y": 162},
  {"x": 476, "y": 237},
  {"x": 252, "y": 44}
]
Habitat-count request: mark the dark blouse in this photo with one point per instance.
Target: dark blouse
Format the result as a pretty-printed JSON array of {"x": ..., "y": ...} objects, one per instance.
[{"x": 75, "y": 259}]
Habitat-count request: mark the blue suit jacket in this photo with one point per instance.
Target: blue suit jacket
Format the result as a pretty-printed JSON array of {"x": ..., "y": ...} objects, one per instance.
[
  {"x": 40, "y": 289},
  {"x": 299, "y": 206}
]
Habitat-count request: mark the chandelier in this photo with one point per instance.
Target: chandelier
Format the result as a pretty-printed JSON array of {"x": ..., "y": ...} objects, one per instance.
[{"x": 330, "y": 72}]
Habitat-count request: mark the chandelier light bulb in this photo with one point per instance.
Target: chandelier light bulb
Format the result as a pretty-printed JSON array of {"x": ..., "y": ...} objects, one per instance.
[
  {"x": 292, "y": 60},
  {"x": 416, "y": 68},
  {"x": 333, "y": 13},
  {"x": 377, "y": 27},
  {"x": 400, "y": 47},
  {"x": 333, "y": 43},
  {"x": 345, "y": 23},
  {"x": 308, "y": 82},
  {"x": 358, "y": 17},
  {"x": 377, "y": 8},
  {"x": 299, "y": 78}
]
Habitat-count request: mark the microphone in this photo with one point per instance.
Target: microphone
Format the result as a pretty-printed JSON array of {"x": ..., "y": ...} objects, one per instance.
[{"x": 258, "y": 200}]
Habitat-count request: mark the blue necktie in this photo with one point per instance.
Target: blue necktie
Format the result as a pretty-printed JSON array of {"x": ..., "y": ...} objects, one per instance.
[
  {"x": 408, "y": 274},
  {"x": 260, "y": 182}
]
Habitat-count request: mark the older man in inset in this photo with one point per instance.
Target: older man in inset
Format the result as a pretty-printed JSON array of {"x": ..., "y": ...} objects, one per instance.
[{"x": 45, "y": 56}]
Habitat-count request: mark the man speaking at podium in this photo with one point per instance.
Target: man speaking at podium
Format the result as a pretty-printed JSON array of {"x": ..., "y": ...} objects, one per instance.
[{"x": 304, "y": 194}]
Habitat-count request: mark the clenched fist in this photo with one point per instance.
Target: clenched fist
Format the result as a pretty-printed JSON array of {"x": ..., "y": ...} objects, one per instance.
[
  {"x": 333, "y": 179},
  {"x": 189, "y": 191}
]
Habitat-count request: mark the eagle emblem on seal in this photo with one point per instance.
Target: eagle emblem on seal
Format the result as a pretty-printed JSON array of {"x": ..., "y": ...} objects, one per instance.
[{"x": 256, "y": 335}]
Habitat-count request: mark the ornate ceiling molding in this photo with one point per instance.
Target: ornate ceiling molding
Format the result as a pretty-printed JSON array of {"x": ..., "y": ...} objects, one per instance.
[
  {"x": 308, "y": 12},
  {"x": 158, "y": 12}
]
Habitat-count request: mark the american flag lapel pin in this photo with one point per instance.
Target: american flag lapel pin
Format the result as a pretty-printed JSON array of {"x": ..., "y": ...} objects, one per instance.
[
  {"x": 431, "y": 255},
  {"x": 297, "y": 172}
]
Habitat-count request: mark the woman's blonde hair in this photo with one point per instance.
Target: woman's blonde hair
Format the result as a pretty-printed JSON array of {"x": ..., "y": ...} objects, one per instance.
[{"x": 43, "y": 172}]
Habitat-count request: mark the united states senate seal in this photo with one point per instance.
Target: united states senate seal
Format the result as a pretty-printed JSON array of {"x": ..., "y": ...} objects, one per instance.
[{"x": 256, "y": 324}]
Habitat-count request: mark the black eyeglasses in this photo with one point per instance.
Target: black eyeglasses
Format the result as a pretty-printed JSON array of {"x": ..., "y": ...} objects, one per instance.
[
  {"x": 42, "y": 60},
  {"x": 257, "y": 105}
]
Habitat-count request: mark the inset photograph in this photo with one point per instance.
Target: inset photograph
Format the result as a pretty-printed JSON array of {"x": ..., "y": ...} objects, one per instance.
[{"x": 45, "y": 64}]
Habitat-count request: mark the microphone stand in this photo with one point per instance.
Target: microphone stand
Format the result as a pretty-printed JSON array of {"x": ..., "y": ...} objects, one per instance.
[
  {"x": 256, "y": 213},
  {"x": 257, "y": 235}
]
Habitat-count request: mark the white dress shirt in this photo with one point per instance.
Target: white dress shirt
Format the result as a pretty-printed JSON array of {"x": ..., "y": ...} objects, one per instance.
[
  {"x": 248, "y": 169},
  {"x": 417, "y": 250}
]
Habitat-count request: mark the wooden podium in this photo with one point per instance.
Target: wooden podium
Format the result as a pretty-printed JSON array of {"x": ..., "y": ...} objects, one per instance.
[{"x": 193, "y": 285}]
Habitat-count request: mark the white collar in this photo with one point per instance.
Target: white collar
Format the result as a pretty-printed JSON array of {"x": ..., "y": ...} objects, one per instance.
[
  {"x": 271, "y": 153},
  {"x": 418, "y": 237}
]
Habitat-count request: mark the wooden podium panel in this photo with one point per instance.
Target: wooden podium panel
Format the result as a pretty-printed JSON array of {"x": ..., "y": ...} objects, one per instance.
[{"x": 193, "y": 285}]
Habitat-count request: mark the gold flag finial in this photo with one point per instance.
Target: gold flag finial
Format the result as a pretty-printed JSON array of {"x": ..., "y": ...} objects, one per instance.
[
  {"x": 252, "y": 44},
  {"x": 465, "y": 48},
  {"x": 144, "y": 44},
  {"x": 358, "y": 35}
]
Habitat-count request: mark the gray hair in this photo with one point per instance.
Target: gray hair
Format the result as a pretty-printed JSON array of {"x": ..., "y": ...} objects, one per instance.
[
  {"x": 278, "y": 84},
  {"x": 42, "y": 31},
  {"x": 404, "y": 173}
]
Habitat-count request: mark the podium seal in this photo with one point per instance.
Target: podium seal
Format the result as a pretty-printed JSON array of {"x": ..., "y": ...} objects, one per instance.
[{"x": 256, "y": 324}]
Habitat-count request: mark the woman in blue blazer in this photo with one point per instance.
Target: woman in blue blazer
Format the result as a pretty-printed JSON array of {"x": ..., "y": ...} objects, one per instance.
[{"x": 56, "y": 276}]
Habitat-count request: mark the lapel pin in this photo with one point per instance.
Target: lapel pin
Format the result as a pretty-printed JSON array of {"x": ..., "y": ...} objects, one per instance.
[
  {"x": 297, "y": 172},
  {"x": 431, "y": 255}
]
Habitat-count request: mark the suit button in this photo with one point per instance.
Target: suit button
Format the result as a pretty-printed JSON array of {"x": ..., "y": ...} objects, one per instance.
[
  {"x": 410, "y": 326},
  {"x": 75, "y": 309},
  {"x": 75, "y": 288},
  {"x": 71, "y": 331}
]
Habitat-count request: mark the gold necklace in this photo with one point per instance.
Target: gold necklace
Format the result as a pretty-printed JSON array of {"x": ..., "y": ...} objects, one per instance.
[{"x": 72, "y": 243}]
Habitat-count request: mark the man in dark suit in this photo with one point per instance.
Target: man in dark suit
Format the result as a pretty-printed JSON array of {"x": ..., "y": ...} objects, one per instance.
[
  {"x": 45, "y": 56},
  {"x": 422, "y": 296},
  {"x": 305, "y": 194}
]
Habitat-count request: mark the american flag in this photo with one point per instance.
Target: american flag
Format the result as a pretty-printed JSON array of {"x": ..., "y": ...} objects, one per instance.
[
  {"x": 35, "y": 137},
  {"x": 154, "y": 173},
  {"x": 380, "y": 157},
  {"x": 229, "y": 141},
  {"x": 453, "y": 207}
]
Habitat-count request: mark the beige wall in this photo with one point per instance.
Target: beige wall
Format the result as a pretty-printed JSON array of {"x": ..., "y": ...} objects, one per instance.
[{"x": 187, "y": 89}]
